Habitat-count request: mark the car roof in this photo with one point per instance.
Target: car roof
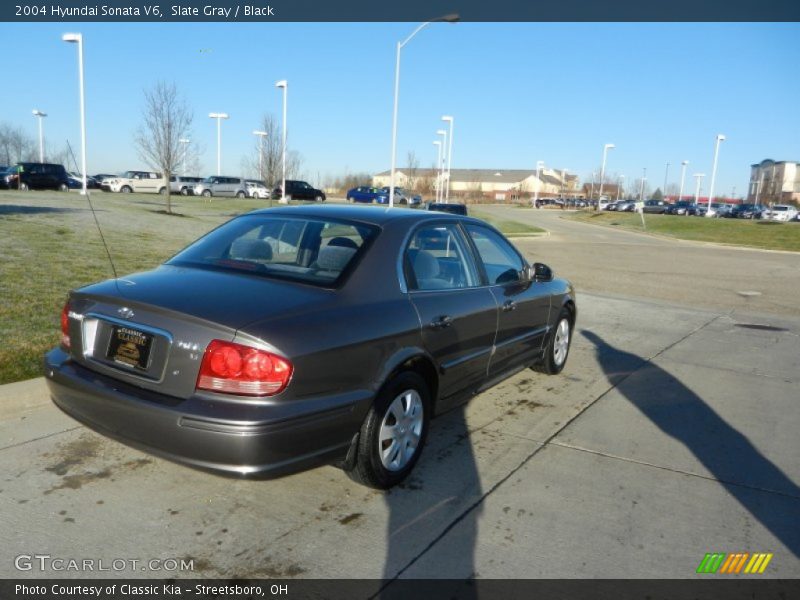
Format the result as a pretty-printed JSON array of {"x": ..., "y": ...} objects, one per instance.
[{"x": 365, "y": 214}]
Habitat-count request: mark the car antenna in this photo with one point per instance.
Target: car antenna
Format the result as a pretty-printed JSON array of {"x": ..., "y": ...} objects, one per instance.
[{"x": 103, "y": 238}]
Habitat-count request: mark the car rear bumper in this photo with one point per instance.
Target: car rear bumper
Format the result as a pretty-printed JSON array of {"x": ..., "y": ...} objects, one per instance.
[{"x": 266, "y": 441}]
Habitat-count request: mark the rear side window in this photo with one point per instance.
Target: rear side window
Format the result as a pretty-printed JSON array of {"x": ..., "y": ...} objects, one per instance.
[
  {"x": 437, "y": 259},
  {"x": 309, "y": 250},
  {"x": 501, "y": 261}
]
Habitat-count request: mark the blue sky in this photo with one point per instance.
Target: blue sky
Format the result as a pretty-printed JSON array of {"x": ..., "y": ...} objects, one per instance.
[{"x": 519, "y": 92}]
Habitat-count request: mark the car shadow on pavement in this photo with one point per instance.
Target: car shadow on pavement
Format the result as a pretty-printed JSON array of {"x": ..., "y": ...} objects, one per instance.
[
  {"x": 442, "y": 497},
  {"x": 726, "y": 452}
]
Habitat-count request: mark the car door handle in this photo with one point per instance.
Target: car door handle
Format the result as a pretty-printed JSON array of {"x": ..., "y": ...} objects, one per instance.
[
  {"x": 442, "y": 322},
  {"x": 509, "y": 305}
]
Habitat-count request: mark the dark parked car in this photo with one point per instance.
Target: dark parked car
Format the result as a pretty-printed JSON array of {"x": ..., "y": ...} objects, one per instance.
[
  {"x": 366, "y": 194},
  {"x": 655, "y": 206},
  {"x": 681, "y": 207},
  {"x": 449, "y": 207},
  {"x": 294, "y": 336},
  {"x": 299, "y": 190},
  {"x": 626, "y": 206},
  {"x": 76, "y": 181},
  {"x": 748, "y": 211},
  {"x": 37, "y": 176}
]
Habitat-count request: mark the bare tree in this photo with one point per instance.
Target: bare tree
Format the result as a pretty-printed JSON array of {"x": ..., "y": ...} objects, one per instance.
[
  {"x": 412, "y": 170},
  {"x": 167, "y": 119},
  {"x": 16, "y": 145}
]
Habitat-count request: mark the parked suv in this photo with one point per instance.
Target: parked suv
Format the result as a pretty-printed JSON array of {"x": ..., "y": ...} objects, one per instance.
[
  {"x": 143, "y": 182},
  {"x": 183, "y": 185},
  {"x": 299, "y": 190},
  {"x": 36, "y": 176},
  {"x": 217, "y": 185}
]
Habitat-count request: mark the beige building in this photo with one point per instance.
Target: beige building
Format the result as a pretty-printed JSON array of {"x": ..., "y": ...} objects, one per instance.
[
  {"x": 494, "y": 184},
  {"x": 774, "y": 182}
]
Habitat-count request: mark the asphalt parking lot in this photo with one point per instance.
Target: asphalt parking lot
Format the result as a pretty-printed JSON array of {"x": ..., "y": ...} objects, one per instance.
[{"x": 671, "y": 433}]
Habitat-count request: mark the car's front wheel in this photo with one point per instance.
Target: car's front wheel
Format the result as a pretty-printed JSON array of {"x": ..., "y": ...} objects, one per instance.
[
  {"x": 23, "y": 187},
  {"x": 557, "y": 345},
  {"x": 393, "y": 434},
  {"x": 241, "y": 195},
  {"x": 63, "y": 187},
  {"x": 319, "y": 199},
  {"x": 184, "y": 191},
  {"x": 126, "y": 189},
  {"x": 206, "y": 193}
]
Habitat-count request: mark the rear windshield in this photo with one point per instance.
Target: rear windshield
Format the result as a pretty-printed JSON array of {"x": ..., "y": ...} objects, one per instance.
[{"x": 310, "y": 250}]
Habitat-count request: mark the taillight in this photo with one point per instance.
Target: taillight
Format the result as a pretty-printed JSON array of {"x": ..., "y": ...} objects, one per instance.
[
  {"x": 65, "y": 326},
  {"x": 237, "y": 369}
]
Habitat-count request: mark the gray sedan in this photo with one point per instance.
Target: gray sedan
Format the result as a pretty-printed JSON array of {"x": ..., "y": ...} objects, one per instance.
[{"x": 297, "y": 336}]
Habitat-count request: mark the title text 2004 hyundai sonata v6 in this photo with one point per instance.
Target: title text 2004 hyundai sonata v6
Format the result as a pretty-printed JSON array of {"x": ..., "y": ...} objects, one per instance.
[{"x": 294, "y": 336}]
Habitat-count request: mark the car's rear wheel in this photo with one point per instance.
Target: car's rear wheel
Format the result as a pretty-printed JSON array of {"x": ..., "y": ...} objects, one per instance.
[
  {"x": 393, "y": 434},
  {"x": 126, "y": 189},
  {"x": 63, "y": 187},
  {"x": 163, "y": 191},
  {"x": 184, "y": 191},
  {"x": 557, "y": 345},
  {"x": 240, "y": 195},
  {"x": 24, "y": 187}
]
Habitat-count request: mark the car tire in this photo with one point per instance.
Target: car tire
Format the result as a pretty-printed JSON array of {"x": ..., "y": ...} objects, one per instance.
[
  {"x": 319, "y": 199},
  {"x": 184, "y": 191},
  {"x": 241, "y": 195},
  {"x": 557, "y": 345},
  {"x": 206, "y": 193},
  {"x": 381, "y": 461},
  {"x": 23, "y": 187},
  {"x": 163, "y": 191},
  {"x": 125, "y": 189},
  {"x": 63, "y": 187}
]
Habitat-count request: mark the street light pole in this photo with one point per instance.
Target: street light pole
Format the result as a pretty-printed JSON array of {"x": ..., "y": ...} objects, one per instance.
[
  {"x": 758, "y": 187},
  {"x": 450, "y": 120},
  {"x": 450, "y": 19},
  {"x": 719, "y": 138},
  {"x": 641, "y": 188},
  {"x": 185, "y": 143},
  {"x": 666, "y": 173},
  {"x": 563, "y": 181},
  {"x": 539, "y": 165},
  {"x": 40, "y": 115},
  {"x": 699, "y": 178},
  {"x": 619, "y": 185},
  {"x": 440, "y": 166},
  {"x": 606, "y": 148},
  {"x": 283, "y": 83},
  {"x": 683, "y": 175},
  {"x": 77, "y": 38},
  {"x": 219, "y": 117},
  {"x": 261, "y": 135},
  {"x": 438, "y": 144}
]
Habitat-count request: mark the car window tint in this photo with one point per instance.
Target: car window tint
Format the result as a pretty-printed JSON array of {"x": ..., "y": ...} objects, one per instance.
[
  {"x": 436, "y": 259},
  {"x": 309, "y": 250},
  {"x": 502, "y": 263}
]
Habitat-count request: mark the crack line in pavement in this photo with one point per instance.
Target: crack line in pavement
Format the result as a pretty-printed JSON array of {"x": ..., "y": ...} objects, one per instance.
[
  {"x": 525, "y": 460},
  {"x": 672, "y": 469},
  {"x": 44, "y": 437}
]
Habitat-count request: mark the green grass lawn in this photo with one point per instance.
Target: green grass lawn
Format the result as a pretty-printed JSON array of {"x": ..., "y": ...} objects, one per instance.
[
  {"x": 509, "y": 228},
  {"x": 738, "y": 232},
  {"x": 50, "y": 244}
]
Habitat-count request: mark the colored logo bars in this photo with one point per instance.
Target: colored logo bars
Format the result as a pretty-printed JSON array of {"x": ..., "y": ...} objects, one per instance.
[{"x": 734, "y": 563}]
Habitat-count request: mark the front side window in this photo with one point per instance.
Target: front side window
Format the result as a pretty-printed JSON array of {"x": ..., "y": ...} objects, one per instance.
[
  {"x": 501, "y": 261},
  {"x": 308, "y": 250},
  {"x": 437, "y": 259}
]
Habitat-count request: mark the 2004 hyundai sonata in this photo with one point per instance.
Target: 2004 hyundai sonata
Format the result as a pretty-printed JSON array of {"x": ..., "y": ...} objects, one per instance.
[{"x": 292, "y": 337}]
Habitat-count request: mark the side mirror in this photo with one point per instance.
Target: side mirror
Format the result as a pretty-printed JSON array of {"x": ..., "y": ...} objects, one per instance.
[{"x": 540, "y": 272}]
